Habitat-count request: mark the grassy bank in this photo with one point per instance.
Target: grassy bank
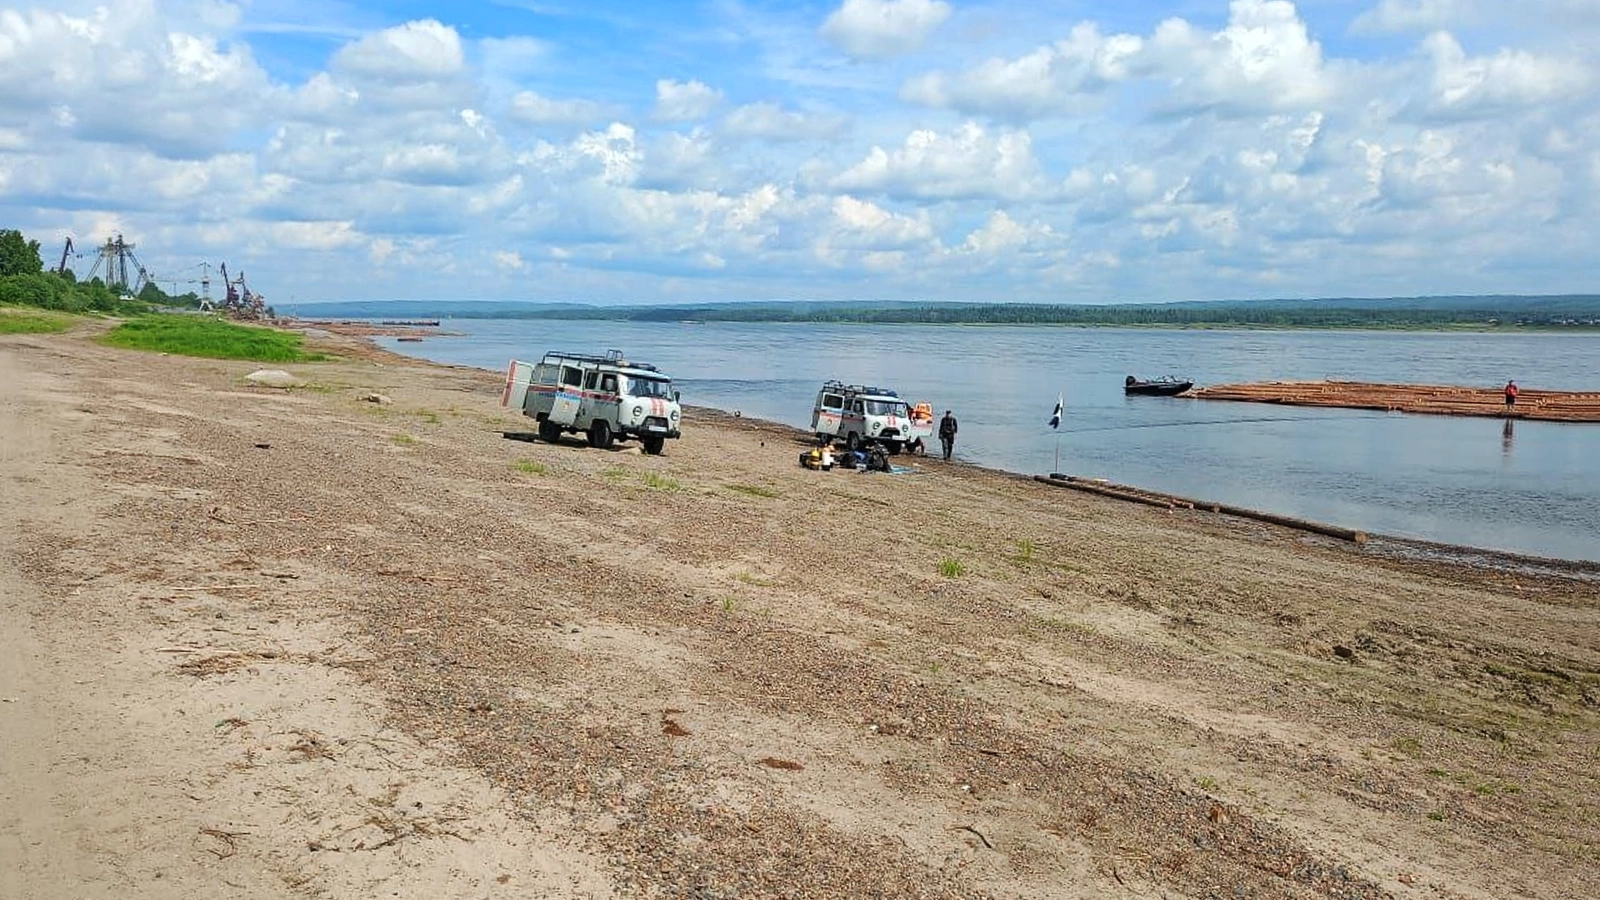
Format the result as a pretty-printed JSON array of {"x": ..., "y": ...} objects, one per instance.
[
  {"x": 18, "y": 321},
  {"x": 208, "y": 337}
]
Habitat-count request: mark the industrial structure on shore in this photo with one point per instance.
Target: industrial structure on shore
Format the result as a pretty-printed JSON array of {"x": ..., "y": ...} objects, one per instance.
[{"x": 116, "y": 265}]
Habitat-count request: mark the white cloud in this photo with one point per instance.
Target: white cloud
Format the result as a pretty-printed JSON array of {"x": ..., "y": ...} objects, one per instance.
[
  {"x": 875, "y": 29},
  {"x": 685, "y": 101},
  {"x": 324, "y": 235},
  {"x": 611, "y": 156},
  {"x": 415, "y": 51},
  {"x": 675, "y": 160},
  {"x": 1263, "y": 61},
  {"x": 510, "y": 260},
  {"x": 1001, "y": 234},
  {"x": 1464, "y": 86},
  {"x": 770, "y": 122},
  {"x": 535, "y": 109},
  {"x": 1052, "y": 80},
  {"x": 966, "y": 163},
  {"x": 122, "y": 74},
  {"x": 512, "y": 56},
  {"x": 1180, "y": 160},
  {"x": 1391, "y": 16}
]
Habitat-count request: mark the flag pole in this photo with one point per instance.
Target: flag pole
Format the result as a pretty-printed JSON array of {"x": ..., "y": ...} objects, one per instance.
[{"x": 1055, "y": 425}]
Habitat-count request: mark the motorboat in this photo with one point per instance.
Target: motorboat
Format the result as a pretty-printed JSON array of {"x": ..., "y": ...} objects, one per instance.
[{"x": 1165, "y": 386}]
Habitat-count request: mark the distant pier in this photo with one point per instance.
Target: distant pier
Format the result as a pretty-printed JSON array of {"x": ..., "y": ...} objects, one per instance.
[{"x": 1440, "y": 400}]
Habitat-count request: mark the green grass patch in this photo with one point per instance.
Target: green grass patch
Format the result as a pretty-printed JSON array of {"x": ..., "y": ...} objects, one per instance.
[
  {"x": 208, "y": 337},
  {"x": 753, "y": 580},
  {"x": 614, "y": 473},
  {"x": 661, "y": 483},
  {"x": 531, "y": 467},
  {"x": 404, "y": 440},
  {"x": 755, "y": 490},
  {"x": 427, "y": 415},
  {"x": 1026, "y": 550},
  {"x": 17, "y": 322},
  {"x": 951, "y": 568}
]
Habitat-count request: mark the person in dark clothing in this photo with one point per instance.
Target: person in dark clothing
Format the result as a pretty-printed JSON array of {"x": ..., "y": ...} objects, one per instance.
[
  {"x": 947, "y": 433},
  {"x": 1511, "y": 395}
]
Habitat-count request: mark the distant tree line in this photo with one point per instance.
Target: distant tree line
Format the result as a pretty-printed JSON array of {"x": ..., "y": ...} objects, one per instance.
[
  {"x": 1562, "y": 312},
  {"x": 24, "y": 281}
]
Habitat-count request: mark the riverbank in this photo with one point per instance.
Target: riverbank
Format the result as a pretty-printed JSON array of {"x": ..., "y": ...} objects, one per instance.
[{"x": 321, "y": 643}]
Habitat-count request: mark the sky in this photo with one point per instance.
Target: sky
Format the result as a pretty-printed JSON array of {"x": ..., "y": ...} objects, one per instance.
[{"x": 605, "y": 151}]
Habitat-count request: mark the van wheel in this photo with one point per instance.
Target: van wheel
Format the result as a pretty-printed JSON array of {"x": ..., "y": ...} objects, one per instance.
[
  {"x": 852, "y": 442},
  {"x": 600, "y": 435},
  {"x": 549, "y": 432},
  {"x": 654, "y": 445}
]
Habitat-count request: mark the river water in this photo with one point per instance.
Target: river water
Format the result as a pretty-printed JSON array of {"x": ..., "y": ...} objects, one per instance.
[{"x": 1528, "y": 487}]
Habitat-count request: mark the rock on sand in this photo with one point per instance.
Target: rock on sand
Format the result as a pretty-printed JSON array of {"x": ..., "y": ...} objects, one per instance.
[{"x": 273, "y": 378}]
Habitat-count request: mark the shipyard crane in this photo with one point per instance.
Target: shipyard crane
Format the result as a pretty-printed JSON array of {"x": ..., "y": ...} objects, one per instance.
[
  {"x": 240, "y": 302},
  {"x": 66, "y": 251},
  {"x": 115, "y": 255}
]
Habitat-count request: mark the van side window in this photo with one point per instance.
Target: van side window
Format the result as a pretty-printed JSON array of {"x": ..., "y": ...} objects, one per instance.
[
  {"x": 570, "y": 376},
  {"x": 590, "y": 379},
  {"x": 832, "y": 401},
  {"x": 855, "y": 406},
  {"x": 608, "y": 383},
  {"x": 546, "y": 374}
]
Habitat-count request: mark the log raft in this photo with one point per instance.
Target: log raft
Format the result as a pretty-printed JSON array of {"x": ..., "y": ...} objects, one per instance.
[{"x": 1443, "y": 400}]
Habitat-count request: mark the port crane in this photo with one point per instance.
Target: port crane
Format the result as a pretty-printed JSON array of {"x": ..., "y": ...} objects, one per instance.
[
  {"x": 115, "y": 256},
  {"x": 239, "y": 301}
]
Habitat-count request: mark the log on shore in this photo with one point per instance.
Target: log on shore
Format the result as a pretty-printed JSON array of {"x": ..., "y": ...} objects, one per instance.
[
  {"x": 1173, "y": 501},
  {"x": 1444, "y": 400}
]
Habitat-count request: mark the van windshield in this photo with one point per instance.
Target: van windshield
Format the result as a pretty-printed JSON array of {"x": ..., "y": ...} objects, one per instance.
[
  {"x": 885, "y": 407},
  {"x": 649, "y": 387}
]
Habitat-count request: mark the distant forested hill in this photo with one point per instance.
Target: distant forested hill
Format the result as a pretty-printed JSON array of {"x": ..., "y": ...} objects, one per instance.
[{"x": 1571, "y": 311}]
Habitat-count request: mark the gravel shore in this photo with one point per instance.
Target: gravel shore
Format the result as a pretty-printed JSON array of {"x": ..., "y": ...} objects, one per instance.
[{"x": 345, "y": 639}]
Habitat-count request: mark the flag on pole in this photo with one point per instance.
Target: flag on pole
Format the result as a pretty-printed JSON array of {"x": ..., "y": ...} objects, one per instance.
[{"x": 1055, "y": 417}]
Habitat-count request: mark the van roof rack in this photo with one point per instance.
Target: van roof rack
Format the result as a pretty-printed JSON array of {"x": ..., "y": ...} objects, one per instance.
[
  {"x": 858, "y": 389},
  {"x": 612, "y": 358}
]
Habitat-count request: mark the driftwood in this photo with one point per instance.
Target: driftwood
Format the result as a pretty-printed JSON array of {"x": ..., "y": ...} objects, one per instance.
[{"x": 1171, "y": 501}]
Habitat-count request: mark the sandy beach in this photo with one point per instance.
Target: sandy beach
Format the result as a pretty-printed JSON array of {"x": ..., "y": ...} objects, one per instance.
[{"x": 346, "y": 640}]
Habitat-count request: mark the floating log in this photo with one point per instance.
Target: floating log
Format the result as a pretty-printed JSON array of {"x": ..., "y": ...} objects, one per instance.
[
  {"x": 1443, "y": 400},
  {"x": 1173, "y": 501}
]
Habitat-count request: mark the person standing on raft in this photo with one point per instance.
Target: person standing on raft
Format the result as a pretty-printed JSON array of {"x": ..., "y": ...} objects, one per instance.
[{"x": 1511, "y": 395}]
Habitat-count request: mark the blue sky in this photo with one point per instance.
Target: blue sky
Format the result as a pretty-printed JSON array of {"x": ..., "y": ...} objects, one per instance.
[{"x": 895, "y": 149}]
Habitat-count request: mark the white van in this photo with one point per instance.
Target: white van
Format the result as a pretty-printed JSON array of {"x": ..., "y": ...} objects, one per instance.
[
  {"x": 607, "y": 398},
  {"x": 862, "y": 415}
]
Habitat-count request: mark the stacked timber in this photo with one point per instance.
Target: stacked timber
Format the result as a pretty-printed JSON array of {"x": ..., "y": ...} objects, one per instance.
[{"x": 1444, "y": 400}]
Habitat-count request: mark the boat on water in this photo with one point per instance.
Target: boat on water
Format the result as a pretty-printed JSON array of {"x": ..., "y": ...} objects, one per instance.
[{"x": 1165, "y": 386}]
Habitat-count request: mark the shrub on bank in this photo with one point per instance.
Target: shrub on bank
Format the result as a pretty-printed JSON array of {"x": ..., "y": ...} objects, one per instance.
[{"x": 208, "y": 337}]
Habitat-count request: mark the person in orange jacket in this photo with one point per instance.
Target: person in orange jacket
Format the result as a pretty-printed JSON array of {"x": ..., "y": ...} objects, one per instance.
[{"x": 1511, "y": 395}]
